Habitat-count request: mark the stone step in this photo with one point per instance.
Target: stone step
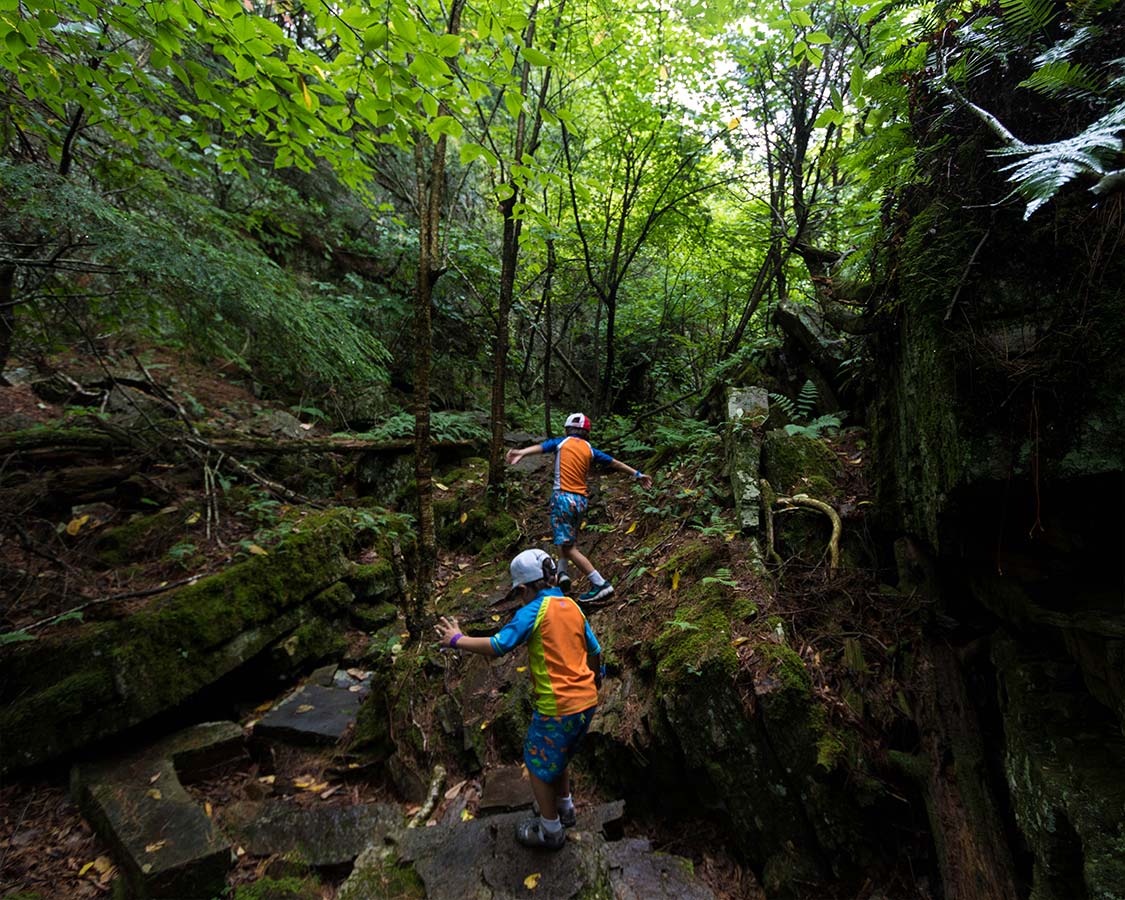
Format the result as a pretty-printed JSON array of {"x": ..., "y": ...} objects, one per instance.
[
  {"x": 164, "y": 842},
  {"x": 481, "y": 857}
]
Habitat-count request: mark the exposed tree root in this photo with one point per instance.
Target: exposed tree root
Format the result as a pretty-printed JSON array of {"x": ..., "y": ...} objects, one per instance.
[
  {"x": 436, "y": 784},
  {"x": 797, "y": 500}
]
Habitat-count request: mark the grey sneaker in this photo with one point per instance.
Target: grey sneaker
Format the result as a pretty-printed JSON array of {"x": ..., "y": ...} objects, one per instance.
[
  {"x": 595, "y": 594},
  {"x": 530, "y": 833}
]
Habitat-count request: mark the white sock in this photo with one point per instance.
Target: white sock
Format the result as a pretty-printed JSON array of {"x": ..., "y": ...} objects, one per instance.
[
  {"x": 596, "y": 578},
  {"x": 564, "y": 804},
  {"x": 551, "y": 826}
]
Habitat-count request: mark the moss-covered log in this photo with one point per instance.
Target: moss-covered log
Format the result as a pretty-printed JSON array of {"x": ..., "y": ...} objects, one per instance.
[{"x": 64, "y": 691}]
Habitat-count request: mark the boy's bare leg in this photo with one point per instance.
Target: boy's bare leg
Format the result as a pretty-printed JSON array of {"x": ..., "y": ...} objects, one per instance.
[
  {"x": 562, "y": 786},
  {"x": 544, "y": 796},
  {"x": 572, "y": 554}
]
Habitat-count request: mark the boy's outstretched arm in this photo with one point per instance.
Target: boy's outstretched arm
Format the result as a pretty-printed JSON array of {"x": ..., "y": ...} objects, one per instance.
[
  {"x": 514, "y": 455},
  {"x": 448, "y": 630},
  {"x": 619, "y": 466}
]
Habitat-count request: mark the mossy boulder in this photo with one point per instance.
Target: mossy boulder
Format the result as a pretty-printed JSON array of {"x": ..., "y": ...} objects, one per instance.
[
  {"x": 483, "y": 532},
  {"x": 279, "y": 889},
  {"x": 373, "y": 582},
  {"x": 797, "y": 463},
  {"x": 61, "y": 692},
  {"x": 142, "y": 537}
]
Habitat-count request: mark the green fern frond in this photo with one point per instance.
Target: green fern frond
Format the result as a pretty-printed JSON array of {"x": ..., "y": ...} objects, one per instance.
[
  {"x": 785, "y": 404},
  {"x": 806, "y": 400},
  {"x": 1025, "y": 18},
  {"x": 1063, "y": 79},
  {"x": 1066, "y": 49},
  {"x": 1042, "y": 170}
]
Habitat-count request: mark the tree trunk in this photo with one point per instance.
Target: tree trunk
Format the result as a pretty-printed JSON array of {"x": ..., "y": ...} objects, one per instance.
[
  {"x": 7, "y": 314},
  {"x": 509, "y": 254}
]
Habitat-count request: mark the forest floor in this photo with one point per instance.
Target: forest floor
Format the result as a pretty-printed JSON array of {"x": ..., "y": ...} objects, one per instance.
[{"x": 49, "y": 569}]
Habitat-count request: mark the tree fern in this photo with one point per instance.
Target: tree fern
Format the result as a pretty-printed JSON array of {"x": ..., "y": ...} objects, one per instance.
[
  {"x": 1026, "y": 18},
  {"x": 1063, "y": 78},
  {"x": 1041, "y": 170}
]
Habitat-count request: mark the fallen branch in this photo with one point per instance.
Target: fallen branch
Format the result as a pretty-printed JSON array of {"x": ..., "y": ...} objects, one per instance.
[
  {"x": 436, "y": 784},
  {"x": 812, "y": 503},
  {"x": 131, "y": 595}
]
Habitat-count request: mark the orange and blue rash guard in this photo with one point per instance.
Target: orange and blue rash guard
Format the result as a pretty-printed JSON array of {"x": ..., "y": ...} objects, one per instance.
[
  {"x": 558, "y": 638},
  {"x": 573, "y": 456}
]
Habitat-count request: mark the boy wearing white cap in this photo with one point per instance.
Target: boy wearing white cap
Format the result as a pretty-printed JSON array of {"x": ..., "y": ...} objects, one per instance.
[
  {"x": 560, "y": 646},
  {"x": 573, "y": 455}
]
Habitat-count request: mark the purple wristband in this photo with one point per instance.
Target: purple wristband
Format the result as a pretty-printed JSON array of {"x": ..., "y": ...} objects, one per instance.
[{"x": 453, "y": 640}]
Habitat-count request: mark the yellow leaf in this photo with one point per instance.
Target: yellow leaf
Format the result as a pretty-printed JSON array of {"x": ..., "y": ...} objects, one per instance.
[
  {"x": 86, "y": 868},
  {"x": 662, "y": 72},
  {"x": 305, "y": 707},
  {"x": 532, "y": 881},
  {"x": 146, "y": 868},
  {"x": 631, "y": 528},
  {"x": 495, "y": 618},
  {"x": 207, "y": 809},
  {"x": 103, "y": 865},
  {"x": 484, "y": 725},
  {"x": 464, "y": 518},
  {"x": 730, "y": 536},
  {"x": 155, "y": 793},
  {"x": 240, "y": 852},
  {"x": 267, "y": 779},
  {"x": 467, "y": 591},
  {"x": 75, "y": 525},
  {"x": 733, "y": 123},
  {"x": 153, "y": 779},
  {"x": 305, "y": 93},
  {"x": 739, "y": 641},
  {"x": 440, "y": 486},
  {"x": 466, "y": 815},
  {"x": 676, "y": 580},
  {"x": 192, "y": 519},
  {"x": 152, "y": 848},
  {"x": 521, "y": 668},
  {"x": 257, "y": 551}
]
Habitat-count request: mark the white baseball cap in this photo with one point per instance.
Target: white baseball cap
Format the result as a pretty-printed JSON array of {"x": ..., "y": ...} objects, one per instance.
[
  {"x": 531, "y": 565},
  {"x": 578, "y": 420}
]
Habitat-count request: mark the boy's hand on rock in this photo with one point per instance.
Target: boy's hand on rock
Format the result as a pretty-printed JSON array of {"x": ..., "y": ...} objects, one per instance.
[
  {"x": 646, "y": 481},
  {"x": 513, "y": 456},
  {"x": 445, "y": 629}
]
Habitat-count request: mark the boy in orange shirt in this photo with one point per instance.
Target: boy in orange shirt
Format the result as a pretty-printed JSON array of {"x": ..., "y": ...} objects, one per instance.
[
  {"x": 560, "y": 645},
  {"x": 573, "y": 456}
]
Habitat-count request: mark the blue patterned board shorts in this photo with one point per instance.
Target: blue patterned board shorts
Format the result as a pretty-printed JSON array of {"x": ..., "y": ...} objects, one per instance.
[
  {"x": 567, "y": 514},
  {"x": 552, "y": 741}
]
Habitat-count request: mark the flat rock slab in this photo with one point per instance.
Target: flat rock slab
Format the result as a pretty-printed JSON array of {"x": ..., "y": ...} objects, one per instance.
[
  {"x": 166, "y": 844},
  {"x": 313, "y": 714},
  {"x": 481, "y": 858},
  {"x": 505, "y": 789},
  {"x": 636, "y": 872},
  {"x": 318, "y": 836}
]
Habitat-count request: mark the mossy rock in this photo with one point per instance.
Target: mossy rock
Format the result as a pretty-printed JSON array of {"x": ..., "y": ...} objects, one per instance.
[
  {"x": 278, "y": 889},
  {"x": 378, "y": 873},
  {"x": 372, "y": 582},
  {"x": 108, "y": 676},
  {"x": 313, "y": 643},
  {"x": 373, "y": 617},
  {"x": 484, "y": 532},
  {"x": 142, "y": 537},
  {"x": 798, "y": 464}
]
